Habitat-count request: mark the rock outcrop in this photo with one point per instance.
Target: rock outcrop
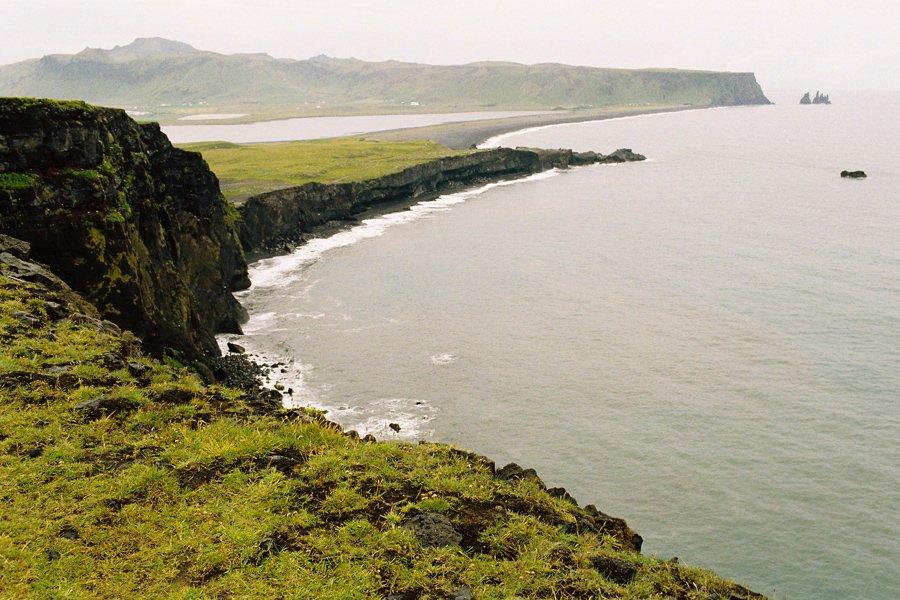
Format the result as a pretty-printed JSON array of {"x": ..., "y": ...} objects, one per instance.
[
  {"x": 819, "y": 99},
  {"x": 138, "y": 227},
  {"x": 273, "y": 220}
]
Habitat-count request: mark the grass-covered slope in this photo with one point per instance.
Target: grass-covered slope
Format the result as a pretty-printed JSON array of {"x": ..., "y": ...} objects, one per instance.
[
  {"x": 121, "y": 477},
  {"x": 166, "y": 79},
  {"x": 246, "y": 169}
]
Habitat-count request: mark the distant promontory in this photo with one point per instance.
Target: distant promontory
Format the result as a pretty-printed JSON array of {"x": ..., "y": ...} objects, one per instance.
[{"x": 163, "y": 80}]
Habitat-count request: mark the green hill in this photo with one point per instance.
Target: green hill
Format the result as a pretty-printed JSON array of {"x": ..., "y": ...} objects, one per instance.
[{"x": 164, "y": 78}]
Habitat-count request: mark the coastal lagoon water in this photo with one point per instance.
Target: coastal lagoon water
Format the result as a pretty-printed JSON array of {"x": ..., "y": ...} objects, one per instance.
[
  {"x": 706, "y": 344},
  {"x": 309, "y": 128}
]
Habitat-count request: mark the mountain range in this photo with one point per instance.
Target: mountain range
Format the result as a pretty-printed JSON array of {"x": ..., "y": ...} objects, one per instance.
[{"x": 159, "y": 76}]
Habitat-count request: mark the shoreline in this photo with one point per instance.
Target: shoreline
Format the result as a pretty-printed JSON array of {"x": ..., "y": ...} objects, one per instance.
[{"x": 464, "y": 135}]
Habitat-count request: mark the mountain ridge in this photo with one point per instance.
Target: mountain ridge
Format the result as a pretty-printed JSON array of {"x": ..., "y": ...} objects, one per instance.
[{"x": 155, "y": 74}]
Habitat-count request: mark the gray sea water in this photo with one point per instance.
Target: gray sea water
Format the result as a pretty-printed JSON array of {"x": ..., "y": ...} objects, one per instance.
[{"x": 706, "y": 344}]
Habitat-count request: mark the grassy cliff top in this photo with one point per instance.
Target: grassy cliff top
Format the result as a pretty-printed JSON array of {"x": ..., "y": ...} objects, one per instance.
[
  {"x": 247, "y": 169},
  {"x": 124, "y": 477}
]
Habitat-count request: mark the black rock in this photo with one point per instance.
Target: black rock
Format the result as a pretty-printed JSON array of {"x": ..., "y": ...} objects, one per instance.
[
  {"x": 284, "y": 464},
  {"x": 16, "y": 247},
  {"x": 52, "y": 554},
  {"x": 69, "y": 533},
  {"x": 394, "y": 426},
  {"x": 512, "y": 472},
  {"x": 173, "y": 396},
  {"x": 433, "y": 530},
  {"x": 35, "y": 453},
  {"x": 55, "y": 310},
  {"x": 854, "y": 174},
  {"x": 236, "y": 348},
  {"x": 614, "y": 569},
  {"x": 104, "y": 405},
  {"x": 138, "y": 370},
  {"x": 237, "y": 370},
  {"x": 579, "y": 526},
  {"x": 637, "y": 541},
  {"x": 563, "y": 494},
  {"x": 26, "y": 318},
  {"x": 621, "y": 155},
  {"x": 112, "y": 361}
]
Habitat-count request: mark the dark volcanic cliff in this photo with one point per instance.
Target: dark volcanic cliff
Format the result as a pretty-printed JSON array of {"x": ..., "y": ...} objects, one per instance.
[
  {"x": 137, "y": 226},
  {"x": 272, "y": 220}
]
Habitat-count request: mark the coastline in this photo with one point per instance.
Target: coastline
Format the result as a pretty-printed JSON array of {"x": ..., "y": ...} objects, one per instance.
[
  {"x": 466, "y": 134},
  {"x": 182, "y": 448}
]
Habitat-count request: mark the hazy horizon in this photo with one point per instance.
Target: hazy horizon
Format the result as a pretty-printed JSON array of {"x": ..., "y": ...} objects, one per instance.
[{"x": 805, "y": 45}]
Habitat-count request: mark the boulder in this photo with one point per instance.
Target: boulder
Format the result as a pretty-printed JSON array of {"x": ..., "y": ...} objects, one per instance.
[
  {"x": 513, "y": 472},
  {"x": 433, "y": 530},
  {"x": 614, "y": 569},
  {"x": 854, "y": 174}
]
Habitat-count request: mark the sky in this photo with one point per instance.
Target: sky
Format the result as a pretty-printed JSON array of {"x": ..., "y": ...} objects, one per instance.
[{"x": 789, "y": 44}]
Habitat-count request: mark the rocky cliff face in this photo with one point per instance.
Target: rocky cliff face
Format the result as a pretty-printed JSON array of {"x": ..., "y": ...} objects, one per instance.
[
  {"x": 135, "y": 225},
  {"x": 275, "y": 219},
  {"x": 737, "y": 89}
]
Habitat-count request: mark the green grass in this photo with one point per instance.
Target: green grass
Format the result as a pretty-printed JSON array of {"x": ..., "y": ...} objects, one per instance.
[
  {"x": 175, "y": 496},
  {"x": 247, "y": 169},
  {"x": 17, "y": 181}
]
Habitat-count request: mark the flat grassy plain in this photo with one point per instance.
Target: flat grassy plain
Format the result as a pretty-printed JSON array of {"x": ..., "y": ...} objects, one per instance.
[
  {"x": 169, "y": 487},
  {"x": 247, "y": 169}
]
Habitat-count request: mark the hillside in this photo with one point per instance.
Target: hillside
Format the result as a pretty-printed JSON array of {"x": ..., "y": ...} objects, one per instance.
[
  {"x": 165, "y": 79},
  {"x": 126, "y": 476}
]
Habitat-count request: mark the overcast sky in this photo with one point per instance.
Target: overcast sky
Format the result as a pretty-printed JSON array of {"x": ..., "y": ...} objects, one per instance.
[{"x": 789, "y": 44}]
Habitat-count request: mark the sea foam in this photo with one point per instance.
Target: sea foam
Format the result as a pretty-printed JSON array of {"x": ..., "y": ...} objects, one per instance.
[{"x": 280, "y": 271}]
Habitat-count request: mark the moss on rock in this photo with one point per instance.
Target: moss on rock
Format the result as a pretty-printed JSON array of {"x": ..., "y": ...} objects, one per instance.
[{"x": 136, "y": 225}]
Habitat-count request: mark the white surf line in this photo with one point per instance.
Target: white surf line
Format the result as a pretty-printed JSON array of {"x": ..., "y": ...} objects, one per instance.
[
  {"x": 282, "y": 270},
  {"x": 279, "y": 271}
]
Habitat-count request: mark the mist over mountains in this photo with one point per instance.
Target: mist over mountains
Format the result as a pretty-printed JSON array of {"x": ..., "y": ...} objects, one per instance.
[{"x": 151, "y": 73}]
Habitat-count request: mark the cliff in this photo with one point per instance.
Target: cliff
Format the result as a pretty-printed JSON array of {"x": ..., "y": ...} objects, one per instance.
[
  {"x": 273, "y": 220},
  {"x": 137, "y": 226}
]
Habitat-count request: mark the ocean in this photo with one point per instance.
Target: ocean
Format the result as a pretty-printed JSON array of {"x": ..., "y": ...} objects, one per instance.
[{"x": 706, "y": 344}]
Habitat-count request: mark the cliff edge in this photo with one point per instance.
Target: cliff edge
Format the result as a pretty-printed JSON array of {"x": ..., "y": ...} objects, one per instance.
[{"x": 137, "y": 226}]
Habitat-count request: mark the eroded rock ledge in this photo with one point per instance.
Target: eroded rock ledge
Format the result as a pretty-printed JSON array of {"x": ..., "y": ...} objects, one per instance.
[
  {"x": 137, "y": 226},
  {"x": 274, "y": 221}
]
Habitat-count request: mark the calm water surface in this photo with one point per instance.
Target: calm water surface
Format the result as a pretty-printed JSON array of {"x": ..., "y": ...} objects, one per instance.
[
  {"x": 705, "y": 344},
  {"x": 309, "y": 128}
]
